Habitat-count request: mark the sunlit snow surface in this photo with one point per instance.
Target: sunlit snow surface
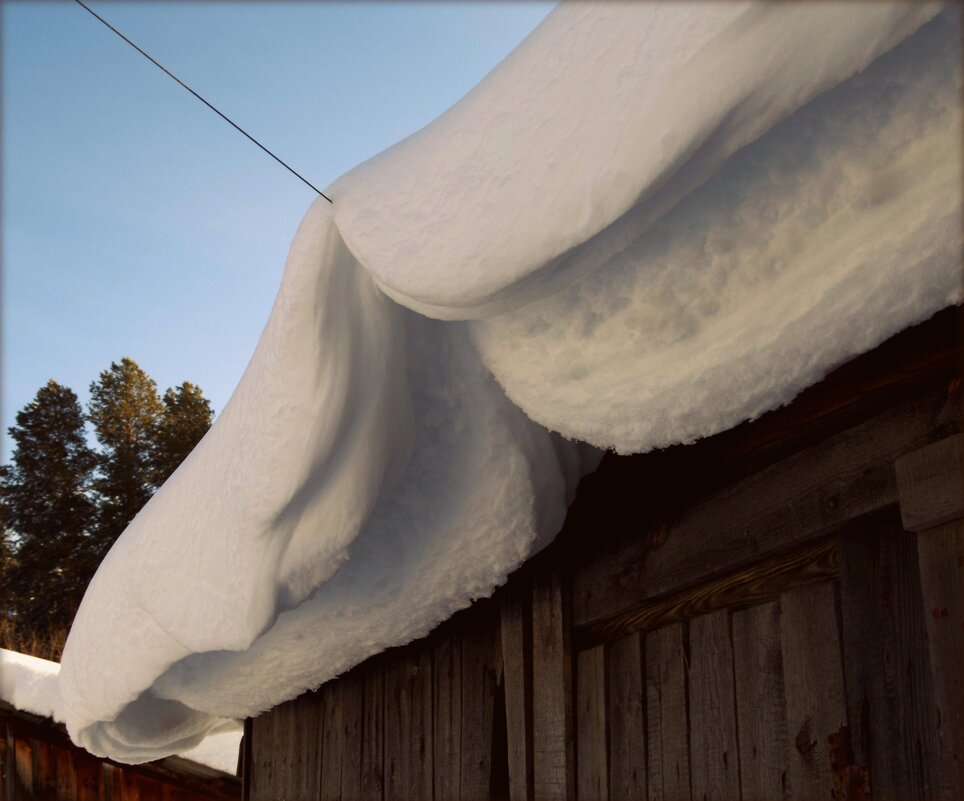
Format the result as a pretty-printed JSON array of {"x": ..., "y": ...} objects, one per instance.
[{"x": 651, "y": 222}]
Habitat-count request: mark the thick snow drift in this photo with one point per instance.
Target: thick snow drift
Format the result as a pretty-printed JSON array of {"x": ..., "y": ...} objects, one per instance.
[{"x": 661, "y": 219}]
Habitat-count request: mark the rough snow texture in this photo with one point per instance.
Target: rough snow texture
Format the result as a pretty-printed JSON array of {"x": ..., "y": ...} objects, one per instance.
[
  {"x": 31, "y": 685},
  {"x": 661, "y": 219}
]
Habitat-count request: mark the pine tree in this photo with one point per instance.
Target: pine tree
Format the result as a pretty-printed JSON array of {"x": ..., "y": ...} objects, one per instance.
[
  {"x": 186, "y": 418},
  {"x": 47, "y": 511},
  {"x": 125, "y": 410}
]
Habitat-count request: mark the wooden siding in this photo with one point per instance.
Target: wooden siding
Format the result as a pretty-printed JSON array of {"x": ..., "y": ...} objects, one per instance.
[{"x": 772, "y": 613}]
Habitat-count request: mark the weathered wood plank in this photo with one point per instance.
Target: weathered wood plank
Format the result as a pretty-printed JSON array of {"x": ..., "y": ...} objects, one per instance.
[
  {"x": 626, "y": 705},
  {"x": 23, "y": 765},
  {"x": 591, "y": 753},
  {"x": 448, "y": 717},
  {"x": 763, "y": 581},
  {"x": 760, "y": 702},
  {"x": 516, "y": 632},
  {"x": 667, "y": 722},
  {"x": 408, "y": 725},
  {"x": 329, "y": 785},
  {"x": 481, "y": 674},
  {"x": 350, "y": 687},
  {"x": 931, "y": 484},
  {"x": 814, "y": 687},
  {"x": 714, "y": 751},
  {"x": 89, "y": 778},
  {"x": 373, "y": 732},
  {"x": 806, "y": 495},
  {"x": 44, "y": 775},
  {"x": 941, "y": 554},
  {"x": 65, "y": 767},
  {"x": 890, "y": 697},
  {"x": 552, "y": 733}
]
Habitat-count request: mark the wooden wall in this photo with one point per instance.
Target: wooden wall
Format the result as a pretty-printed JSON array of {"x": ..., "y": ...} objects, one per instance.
[
  {"x": 772, "y": 613},
  {"x": 39, "y": 763}
]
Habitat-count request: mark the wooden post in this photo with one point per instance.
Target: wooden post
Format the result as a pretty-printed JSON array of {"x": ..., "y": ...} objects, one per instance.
[{"x": 931, "y": 486}]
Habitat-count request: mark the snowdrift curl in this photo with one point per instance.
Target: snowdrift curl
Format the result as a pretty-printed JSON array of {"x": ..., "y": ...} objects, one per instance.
[{"x": 649, "y": 223}]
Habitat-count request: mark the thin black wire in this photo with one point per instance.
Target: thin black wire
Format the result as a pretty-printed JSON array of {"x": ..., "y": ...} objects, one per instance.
[{"x": 160, "y": 66}]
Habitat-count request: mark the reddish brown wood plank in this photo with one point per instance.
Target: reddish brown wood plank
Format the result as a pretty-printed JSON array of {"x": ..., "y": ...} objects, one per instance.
[
  {"x": 814, "y": 687},
  {"x": 89, "y": 778},
  {"x": 760, "y": 703},
  {"x": 65, "y": 767},
  {"x": 891, "y": 704},
  {"x": 373, "y": 731},
  {"x": 516, "y": 631},
  {"x": 481, "y": 675},
  {"x": 23, "y": 767},
  {"x": 714, "y": 751},
  {"x": 591, "y": 756},
  {"x": 44, "y": 772},
  {"x": 667, "y": 727},
  {"x": 931, "y": 484},
  {"x": 941, "y": 553},
  {"x": 448, "y": 717},
  {"x": 626, "y": 704},
  {"x": 552, "y": 734}
]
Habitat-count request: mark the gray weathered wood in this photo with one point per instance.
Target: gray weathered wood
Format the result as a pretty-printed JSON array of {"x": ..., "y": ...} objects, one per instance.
[
  {"x": 760, "y": 702},
  {"x": 516, "y": 631},
  {"x": 890, "y": 696},
  {"x": 591, "y": 753},
  {"x": 331, "y": 742},
  {"x": 813, "y": 685},
  {"x": 941, "y": 553},
  {"x": 626, "y": 703},
  {"x": 448, "y": 717},
  {"x": 714, "y": 751},
  {"x": 802, "y": 497},
  {"x": 408, "y": 725},
  {"x": 350, "y": 690},
  {"x": 552, "y": 732},
  {"x": 481, "y": 675},
  {"x": 667, "y": 727},
  {"x": 373, "y": 731},
  {"x": 930, "y": 481}
]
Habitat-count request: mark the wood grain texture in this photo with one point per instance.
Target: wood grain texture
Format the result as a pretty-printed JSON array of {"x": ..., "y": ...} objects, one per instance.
[
  {"x": 930, "y": 481},
  {"x": 714, "y": 750},
  {"x": 481, "y": 676},
  {"x": 23, "y": 768},
  {"x": 626, "y": 705},
  {"x": 65, "y": 767},
  {"x": 408, "y": 725},
  {"x": 516, "y": 632},
  {"x": 813, "y": 563},
  {"x": 592, "y": 757},
  {"x": 760, "y": 702},
  {"x": 350, "y": 687},
  {"x": 448, "y": 717},
  {"x": 804, "y": 496},
  {"x": 330, "y": 735},
  {"x": 891, "y": 703},
  {"x": 813, "y": 685},
  {"x": 941, "y": 559},
  {"x": 552, "y": 732},
  {"x": 667, "y": 721},
  {"x": 373, "y": 731}
]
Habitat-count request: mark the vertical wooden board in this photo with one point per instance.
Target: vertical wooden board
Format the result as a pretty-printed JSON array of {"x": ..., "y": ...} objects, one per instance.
[
  {"x": 447, "y": 733},
  {"x": 715, "y": 761},
  {"x": 890, "y": 696},
  {"x": 4, "y": 763},
  {"x": 667, "y": 717},
  {"x": 260, "y": 763},
  {"x": 941, "y": 552},
  {"x": 408, "y": 725},
  {"x": 814, "y": 687},
  {"x": 760, "y": 703},
  {"x": 626, "y": 705},
  {"x": 151, "y": 789},
  {"x": 130, "y": 784},
  {"x": 516, "y": 632},
  {"x": 351, "y": 741},
  {"x": 331, "y": 743},
  {"x": 373, "y": 732},
  {"x": 481, "y": 674},
  {"x": 44, "y": 771},
  {"x": 65, "y": 767},
  {"x": 592, "y": 763},
  {"x": 23, "y": 765},
  {"x": 552, "y": 732},
  {"x": 89, "y": 779}
]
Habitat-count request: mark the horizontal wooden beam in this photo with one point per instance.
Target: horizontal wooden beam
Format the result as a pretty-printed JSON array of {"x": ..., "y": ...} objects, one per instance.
[
  {"x": 764, "y": 581},
  {"x": 930, "y": 481}
]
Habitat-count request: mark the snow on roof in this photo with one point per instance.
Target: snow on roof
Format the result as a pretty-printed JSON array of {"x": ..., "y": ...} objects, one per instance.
[
  {"x": 651, "y": 222},
  {"x": 30, "y": 684}
]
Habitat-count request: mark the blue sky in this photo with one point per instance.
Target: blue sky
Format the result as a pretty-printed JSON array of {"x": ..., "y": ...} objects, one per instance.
[{"x": 138, "y": 223}]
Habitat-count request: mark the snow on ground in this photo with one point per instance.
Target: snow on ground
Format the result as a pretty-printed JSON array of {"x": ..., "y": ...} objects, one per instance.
[
  {"x": 651, "y": 222},
  {"x": 31, "y": 685}
]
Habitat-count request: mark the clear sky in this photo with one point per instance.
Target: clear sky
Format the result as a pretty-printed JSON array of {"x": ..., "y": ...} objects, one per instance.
[{"x": 138, "y": 223}]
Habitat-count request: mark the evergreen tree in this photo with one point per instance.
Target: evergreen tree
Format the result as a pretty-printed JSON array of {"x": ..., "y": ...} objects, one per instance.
[
  {"x": 47, "y": 511},
  {"x": 125, "y": 410},
  {"x": 186, "y": 418}
]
